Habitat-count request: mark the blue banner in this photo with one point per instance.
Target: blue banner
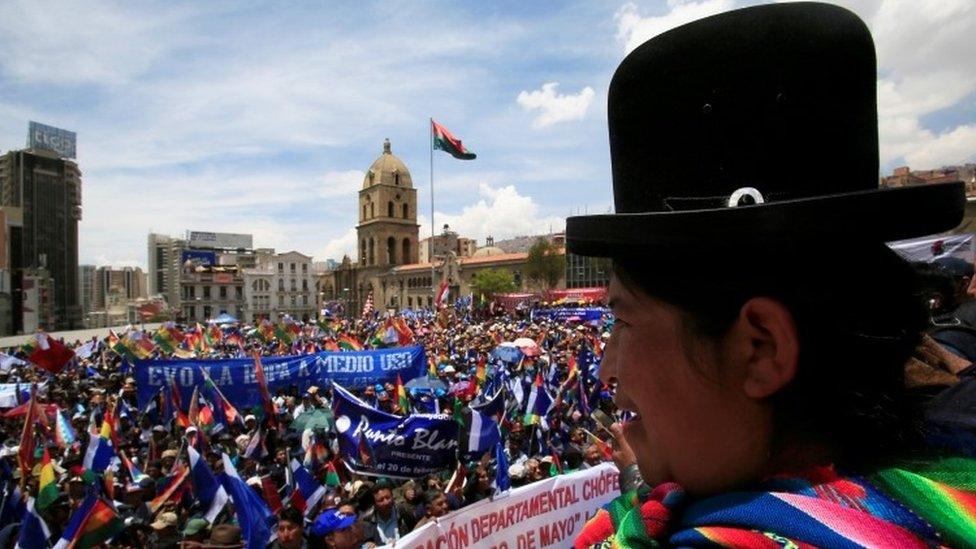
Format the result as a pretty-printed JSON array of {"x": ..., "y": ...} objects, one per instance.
[
  {"x": 237, "y": 381},
  {"x": 373, "y": 442},
  {"x": 585, "y": 314}
]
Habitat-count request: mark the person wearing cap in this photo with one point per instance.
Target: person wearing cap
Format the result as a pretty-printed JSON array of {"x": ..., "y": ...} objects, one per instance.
[
  {"x": 225, "y": 536},
  {"x": 196, "y": 531},
  {"x": 765, "y": 409},
  {"x": 337, "y": 530},
  {"x": 166, "y": 533}
]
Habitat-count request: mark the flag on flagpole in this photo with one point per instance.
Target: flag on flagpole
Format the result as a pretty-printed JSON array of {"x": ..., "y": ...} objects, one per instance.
[
  {"x": 28, "y": 441},
  {"x": 269, "y": 407},
  {"x": 172, "y": 486},
  {"x": 402, "y": 400},
  {"x": 459, "y": 479},
  {"x": 444, "y": 140},
  {"x": 482, "y": 435},
  {"x": 50, "y": 354},
  {"x": 252, "y": 512},
  {"x": 211, "y": 495},
  {"x": 93, "y": 522},
  {"x": 47, "y": 489},
  {"x": 368, "y": 305},
  {"x": 502, "y": 482},
  {"x": 308, "y": 491},
  {"x": 539, "y": 403},
  {"x": 442, "y": 294},
  {"x": 33, "y": 530}
]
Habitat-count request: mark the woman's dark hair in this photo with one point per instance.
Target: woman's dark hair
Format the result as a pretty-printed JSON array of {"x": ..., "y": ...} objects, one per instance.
[{"x": 858, "y": 318}]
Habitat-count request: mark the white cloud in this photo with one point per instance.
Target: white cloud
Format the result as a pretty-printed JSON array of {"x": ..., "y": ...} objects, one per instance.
[
  {"x": 343, "y": 245},
  {"x": 500, "y": 212},
  {"x": 555, "y": 107},
  {"x": 925, "y": 51},
  {"x": 633, "y": 29},
  {"x": 341, "y": 183}
]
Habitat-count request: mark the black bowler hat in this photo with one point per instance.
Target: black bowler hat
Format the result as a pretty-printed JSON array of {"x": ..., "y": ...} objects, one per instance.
[{"x": 756, "y": 125}]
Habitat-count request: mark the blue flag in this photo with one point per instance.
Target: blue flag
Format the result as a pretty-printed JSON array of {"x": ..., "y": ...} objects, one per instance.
[
  {"x": 482, "y": 435},
  {"x": 33, "y": 530},
  {"x": 211, "y": 495},
  {"x": 502, "y": 482},
  {"x": 253, "y": 515}
]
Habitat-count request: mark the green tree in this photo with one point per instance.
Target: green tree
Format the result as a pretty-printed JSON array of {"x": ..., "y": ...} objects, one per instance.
[
  {"x": 491, "y": 281},
  {"x": 545, "y": 265}
]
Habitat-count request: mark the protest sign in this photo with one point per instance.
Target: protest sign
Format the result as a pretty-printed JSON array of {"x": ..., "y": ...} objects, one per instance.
[
  {"x": 237, "y": 380},
  {"x": 590, "y": 315},
  {"x": 548, "y": 513},
  {"x": 373, "y": 442},
  {"x": 12, "y": 394}
]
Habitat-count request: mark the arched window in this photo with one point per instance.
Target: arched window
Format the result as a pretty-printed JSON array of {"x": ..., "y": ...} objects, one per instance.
[
  {"x": 391, "y": 248},
  {"x": 406, "y": 211},
  {"x": 364, "y": 211},
  {"x": 362, "y": 252},
  {"x": 281, "y": 284},
  {"x": 372, "y": 251},
  {"x": 396, "y": 177},
  {"x": 389, "y": 209},
  {"x": 405, "y": 256},
  {"x": 372, "y": 211}
]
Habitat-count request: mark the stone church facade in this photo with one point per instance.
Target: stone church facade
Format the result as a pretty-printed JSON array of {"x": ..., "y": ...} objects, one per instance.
[{"x": 388, "y": 241}]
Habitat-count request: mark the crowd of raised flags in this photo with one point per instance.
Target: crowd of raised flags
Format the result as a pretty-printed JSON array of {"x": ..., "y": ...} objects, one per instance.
[{"x": 504, "y": 398}]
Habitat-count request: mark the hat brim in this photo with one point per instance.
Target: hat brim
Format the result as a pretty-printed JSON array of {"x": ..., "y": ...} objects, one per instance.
[{"x": 879, "y": 215}]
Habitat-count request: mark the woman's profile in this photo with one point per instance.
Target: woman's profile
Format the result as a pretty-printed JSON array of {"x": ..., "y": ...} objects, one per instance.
[{"x": 762, "y": 326}]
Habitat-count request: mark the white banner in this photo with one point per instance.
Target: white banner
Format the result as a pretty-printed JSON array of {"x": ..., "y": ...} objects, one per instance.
[{"x": 547, "y": 513}]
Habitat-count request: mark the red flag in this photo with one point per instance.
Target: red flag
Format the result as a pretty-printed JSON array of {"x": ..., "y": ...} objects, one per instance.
[
  {"x": 442, "y": 295},
  {"x": 174, "y": 394},
  {"x": 269, "y": 407},
  {"x": 50, "y": 354},
  {"x": 458, "y": 479},
  {"x": 271, "y": 496},
  {"x": 28, "y": 442}
]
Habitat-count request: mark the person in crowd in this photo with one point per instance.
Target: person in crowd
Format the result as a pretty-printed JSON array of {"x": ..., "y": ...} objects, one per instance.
[
  {"x": 194, "y": 533},
  {"x": 337, "y": 530},
  {"x": 166, "y": 534},
  {"x": 290, "y": 530},
  {"x": 761, "y": 404},
  {"x": 436, "y": 506},
  {"x": 479, "y": 485},
  {"x": 386, "y": 521}
]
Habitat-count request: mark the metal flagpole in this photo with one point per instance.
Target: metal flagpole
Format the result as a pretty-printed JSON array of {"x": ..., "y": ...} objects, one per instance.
[{"x": 430, "y": 241}]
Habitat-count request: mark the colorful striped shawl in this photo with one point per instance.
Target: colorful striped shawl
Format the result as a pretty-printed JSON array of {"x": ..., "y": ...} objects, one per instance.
[{"x": 919, "y": 505}]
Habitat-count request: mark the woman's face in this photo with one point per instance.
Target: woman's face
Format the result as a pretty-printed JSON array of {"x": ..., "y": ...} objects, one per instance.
[{"x": 694, "y": 425}]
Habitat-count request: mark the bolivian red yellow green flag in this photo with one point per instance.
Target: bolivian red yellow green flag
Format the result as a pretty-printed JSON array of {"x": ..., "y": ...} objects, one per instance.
[
  {"x": 47, "y": 489},
  {"x": 445, "y": 141}
]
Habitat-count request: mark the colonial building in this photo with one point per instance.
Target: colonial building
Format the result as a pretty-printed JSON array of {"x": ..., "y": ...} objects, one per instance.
[{"x": 391, "y": 266}]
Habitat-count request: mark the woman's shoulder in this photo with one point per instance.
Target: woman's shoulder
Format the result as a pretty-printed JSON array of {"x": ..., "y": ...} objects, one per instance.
[{"x": 916, "y": 501}]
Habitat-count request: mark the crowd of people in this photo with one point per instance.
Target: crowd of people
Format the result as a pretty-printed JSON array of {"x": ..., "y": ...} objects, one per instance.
[{"x": 149, "y": 499}]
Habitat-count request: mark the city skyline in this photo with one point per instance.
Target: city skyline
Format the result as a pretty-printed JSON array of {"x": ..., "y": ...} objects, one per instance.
[{"x": 248, "y": 118}]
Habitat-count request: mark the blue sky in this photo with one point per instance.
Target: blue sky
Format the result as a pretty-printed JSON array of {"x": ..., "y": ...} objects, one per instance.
[{"x": 261, "y": 117}]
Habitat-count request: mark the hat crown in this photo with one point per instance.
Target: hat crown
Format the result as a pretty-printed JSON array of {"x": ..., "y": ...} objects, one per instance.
[{"x": 778, "y": 98}]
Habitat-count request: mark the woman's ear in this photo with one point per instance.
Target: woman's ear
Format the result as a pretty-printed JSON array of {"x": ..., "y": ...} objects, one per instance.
[{"x": 767, "y": 339}]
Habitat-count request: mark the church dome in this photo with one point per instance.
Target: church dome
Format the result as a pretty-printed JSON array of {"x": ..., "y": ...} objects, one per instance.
[
  {"x": 388, "y": 170},
  {"x": 487, "y": 251}
]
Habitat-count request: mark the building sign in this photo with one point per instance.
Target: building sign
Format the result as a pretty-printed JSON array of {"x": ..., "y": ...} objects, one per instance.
[
  {"x": 198, "y": 257},
  {"x": 223, "y": 278},
  {"x": 40, "y": 136},
  {"x": 200, "y": 239}
]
